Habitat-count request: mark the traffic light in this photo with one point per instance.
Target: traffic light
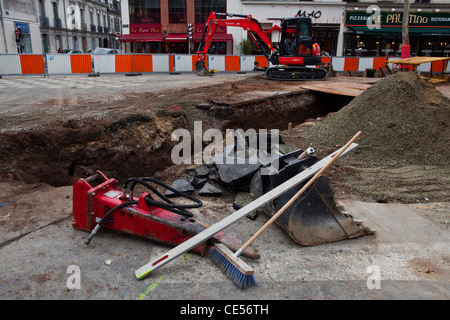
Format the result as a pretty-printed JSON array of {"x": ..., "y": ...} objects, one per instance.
[{"x": 190, "y": 31}]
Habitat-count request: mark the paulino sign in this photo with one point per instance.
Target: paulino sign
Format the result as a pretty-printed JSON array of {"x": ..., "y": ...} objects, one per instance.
[{"x": 436, "y": 23}]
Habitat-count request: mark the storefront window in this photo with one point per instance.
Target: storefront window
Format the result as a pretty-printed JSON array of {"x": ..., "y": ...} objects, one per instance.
[
  {"x": 145, "y": 11},
  {"x": 146, "y": 47},
  {"x": 177, "y": 47},
  {"x": 373, "y": 45},
  {"x": 327, "y": 39},
  {"x": 203, "y": 9},
  {"x": 177, "y": 11}
]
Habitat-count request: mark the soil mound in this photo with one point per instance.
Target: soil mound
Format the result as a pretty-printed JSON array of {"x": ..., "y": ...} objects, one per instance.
[{"x": 404, "y": 121}]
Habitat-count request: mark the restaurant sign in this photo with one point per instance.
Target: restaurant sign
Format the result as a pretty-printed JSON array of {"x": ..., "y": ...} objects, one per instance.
[
  {"x": 145, "y": 28},
  {"x": 418, "y": 21}
]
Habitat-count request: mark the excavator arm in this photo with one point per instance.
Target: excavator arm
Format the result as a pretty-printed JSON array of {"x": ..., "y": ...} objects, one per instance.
[{"x": 248, "y": 23}]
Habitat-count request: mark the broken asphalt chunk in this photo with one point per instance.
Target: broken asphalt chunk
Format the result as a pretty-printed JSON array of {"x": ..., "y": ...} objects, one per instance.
[
  {"x": 180, "y": 185},
  {"x": 202, "y": 171},
  {"x": 210, "y": 191},
  {"x": 197, "y": 182},
  {"x": 231, "y": 174}
]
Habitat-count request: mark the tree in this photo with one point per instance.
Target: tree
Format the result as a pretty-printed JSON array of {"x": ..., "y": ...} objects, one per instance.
[
  {"x": 405, "y": 23},
  {"x": 246, "y": 46}
]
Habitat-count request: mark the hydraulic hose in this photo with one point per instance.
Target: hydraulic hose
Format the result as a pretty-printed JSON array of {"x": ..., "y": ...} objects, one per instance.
[
  {"x": 168, "y": 204},
  {"x": 106, "y": 216}
]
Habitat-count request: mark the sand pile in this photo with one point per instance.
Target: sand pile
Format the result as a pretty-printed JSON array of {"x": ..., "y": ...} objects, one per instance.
[{"x": 404, "y": 121}]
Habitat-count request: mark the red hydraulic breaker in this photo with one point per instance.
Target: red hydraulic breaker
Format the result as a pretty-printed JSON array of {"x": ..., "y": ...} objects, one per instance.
[{"x": 97, "y": 203}]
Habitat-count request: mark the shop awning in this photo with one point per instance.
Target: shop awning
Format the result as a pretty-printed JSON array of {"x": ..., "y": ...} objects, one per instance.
[
  {"x": 176, "y": 37},
  {"x": 142, "y": 37},
  {"x": 398, "y": 30},
  {"x": 217, "y": 37}
]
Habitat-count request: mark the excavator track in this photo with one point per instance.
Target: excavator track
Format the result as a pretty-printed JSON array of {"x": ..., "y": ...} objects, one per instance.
[{"x": 295, "y": 73}]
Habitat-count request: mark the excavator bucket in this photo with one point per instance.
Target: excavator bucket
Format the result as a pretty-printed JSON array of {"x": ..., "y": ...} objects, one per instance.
[
  {"x": 314, "y": 217},
  {"x": 201, "y": 70}
]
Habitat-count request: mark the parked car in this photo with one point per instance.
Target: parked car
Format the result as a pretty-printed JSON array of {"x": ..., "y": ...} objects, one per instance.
[
  {"x": 106, "y": 51},
  {"x": 71, "y": 51}
]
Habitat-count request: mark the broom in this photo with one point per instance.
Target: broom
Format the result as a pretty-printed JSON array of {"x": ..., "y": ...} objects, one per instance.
[{"x": 230, "y": 263}]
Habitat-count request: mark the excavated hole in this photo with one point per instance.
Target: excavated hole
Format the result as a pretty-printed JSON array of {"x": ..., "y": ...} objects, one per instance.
[{"x": 138, "y": 143}]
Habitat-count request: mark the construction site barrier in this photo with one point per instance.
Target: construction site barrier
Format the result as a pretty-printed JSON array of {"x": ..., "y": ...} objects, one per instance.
[
  {"x": 436, "y": 66},
  {"x": 248, "y": 62},
  {"x": 68, "y": 64},
  {"x": 224, "y": 63},
  {"x": 357, "y": 64},
  {"x": 17, "y": 64},
  {"x": 54, "y": 64}
]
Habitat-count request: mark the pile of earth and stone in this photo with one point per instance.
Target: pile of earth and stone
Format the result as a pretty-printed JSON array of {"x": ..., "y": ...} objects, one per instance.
[
  {"x": 403, "y": 151},
  {"x": 403, "y": 118}
]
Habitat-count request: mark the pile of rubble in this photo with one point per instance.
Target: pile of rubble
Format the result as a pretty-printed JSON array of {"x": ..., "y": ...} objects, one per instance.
[{"x": 227, "y": 171}]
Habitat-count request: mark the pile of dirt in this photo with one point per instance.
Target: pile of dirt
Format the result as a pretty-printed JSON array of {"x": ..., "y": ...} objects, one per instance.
[
  {"x": 404, "y": 147},
  {"x": 404, "y": 121}
]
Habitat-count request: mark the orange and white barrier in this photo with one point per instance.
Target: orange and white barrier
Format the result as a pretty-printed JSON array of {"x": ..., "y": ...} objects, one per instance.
[
  {"x": 224, "y": 63},
  {"x": 183, "y": 62},
  {"x": 126, "y": 63},
  {"x": 17, "y": 64},
  {"x": 434, "y": 67},
  {"x": 68, "y": 64},
  {"x": 248, "y": 62},
  {"x": 357, "y": 64}
]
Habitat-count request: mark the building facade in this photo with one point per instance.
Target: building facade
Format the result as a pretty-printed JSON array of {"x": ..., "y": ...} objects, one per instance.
[
  {"x": 19, "y": 15},
  {"x": 48, "y": 26},
  {"x": 377, "y": 31},
  {"x": 339, "y": 26},
  {"x": 160, "y": 26},
  {"x": 327, "y": 18},
  {"x": 79, "y": 24}
]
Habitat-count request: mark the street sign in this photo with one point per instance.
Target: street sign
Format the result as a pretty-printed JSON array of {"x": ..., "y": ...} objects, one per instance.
[
  {"x": 24, "y": 27},
  {"x": 118, "y": 34},
  {"x": 16, "y": 32}
]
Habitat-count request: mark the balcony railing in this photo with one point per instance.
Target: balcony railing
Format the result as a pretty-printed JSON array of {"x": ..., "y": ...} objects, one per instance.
[
  {"x": 57, "y": 22},
  {"x": 43, "y": 21}
]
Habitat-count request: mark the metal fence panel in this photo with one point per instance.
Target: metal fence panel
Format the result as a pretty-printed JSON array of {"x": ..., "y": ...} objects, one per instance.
[{"x": 10, "y": 64}]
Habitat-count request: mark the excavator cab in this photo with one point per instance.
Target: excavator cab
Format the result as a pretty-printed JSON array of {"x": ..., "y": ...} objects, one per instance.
[
  {"x": 296, "y": 38},
  {"x": 297, "y": 42}
]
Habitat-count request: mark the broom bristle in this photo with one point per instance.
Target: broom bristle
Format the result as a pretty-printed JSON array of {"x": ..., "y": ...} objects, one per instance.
[{"x": 240, "y": 279}]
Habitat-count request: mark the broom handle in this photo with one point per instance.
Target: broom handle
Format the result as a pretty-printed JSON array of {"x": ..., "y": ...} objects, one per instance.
[{"x": 306, "y": 186}]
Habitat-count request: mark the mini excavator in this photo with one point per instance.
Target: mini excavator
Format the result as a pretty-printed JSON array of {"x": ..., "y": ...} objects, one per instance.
[{"x": 297, "y": 57}]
